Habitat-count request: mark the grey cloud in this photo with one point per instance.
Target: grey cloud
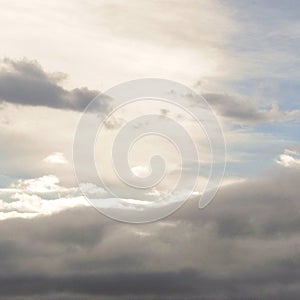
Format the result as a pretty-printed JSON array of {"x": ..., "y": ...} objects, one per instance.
[
  {"x": 245, "y": 243},
  {"x": 261, "y": 208},
  {"x": 25, "y": 82},
  {"x": 234, "y": 107},
  {"x": 184, "y": 282},
  {"x": 243, "y": 110}
]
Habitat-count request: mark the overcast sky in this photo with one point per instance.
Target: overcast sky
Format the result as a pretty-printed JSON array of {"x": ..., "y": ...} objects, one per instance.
[{"x": 242, "y": 57}]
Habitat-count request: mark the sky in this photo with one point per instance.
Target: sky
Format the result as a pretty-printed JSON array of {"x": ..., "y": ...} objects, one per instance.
[{"x": 242, "y": 57}]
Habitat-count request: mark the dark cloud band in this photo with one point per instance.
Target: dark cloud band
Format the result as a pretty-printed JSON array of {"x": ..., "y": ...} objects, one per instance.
[
  {"x": 245, "y": 245},
  {"x": 25, "y": 82}
]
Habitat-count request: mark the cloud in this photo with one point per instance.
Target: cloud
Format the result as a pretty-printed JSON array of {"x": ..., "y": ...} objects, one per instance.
[
  {"x": 47, "y": 183},
  {"x": 30, "y": 198},
  {"x": 25, "y": 82},
  {"x": 289, "y": 159},
  {"x": 246, "y": 241},
  {"x": 30, "y": 206},
  {"x": 56, "y": 158},
  {"x": 141, "y": 171},
  {"x": 243, "y": 110}
]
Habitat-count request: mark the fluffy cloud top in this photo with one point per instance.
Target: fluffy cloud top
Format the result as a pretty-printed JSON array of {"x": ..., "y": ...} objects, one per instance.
[{"x": 289, "y": 159}]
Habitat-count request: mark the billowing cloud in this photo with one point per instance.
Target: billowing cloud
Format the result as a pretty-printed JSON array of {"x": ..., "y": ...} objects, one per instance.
[
  {"x": 29, "y": 198},
  {"x": 246, "y": 240}
]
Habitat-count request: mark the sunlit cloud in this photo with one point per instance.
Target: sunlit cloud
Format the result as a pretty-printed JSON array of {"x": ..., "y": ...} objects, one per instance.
[
  {"x": 55, "y": 158},
  {"x": 289, "y": 159}
]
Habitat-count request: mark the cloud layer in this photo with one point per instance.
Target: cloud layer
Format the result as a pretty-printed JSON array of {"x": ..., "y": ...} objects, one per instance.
[{"x": 245, "y": 243}]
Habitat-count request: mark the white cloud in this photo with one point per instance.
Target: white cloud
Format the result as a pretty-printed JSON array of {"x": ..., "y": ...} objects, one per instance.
[
  {"x": 30, "y": 206},
  {"x": 232, "y": 180},
  {"x": 29, "y": 198},
  {"x": 290, "y": 152},
  {"x": 44, "y": 184},
  {"x": 141, "y": 171},
  {"x": 55, "y": 158},
  {"x": 289, "y": 159},
  {"x": 92, "y": 190}
]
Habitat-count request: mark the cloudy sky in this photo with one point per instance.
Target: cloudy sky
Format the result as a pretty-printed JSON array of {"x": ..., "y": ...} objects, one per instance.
[{"x": 242, "y": 57}]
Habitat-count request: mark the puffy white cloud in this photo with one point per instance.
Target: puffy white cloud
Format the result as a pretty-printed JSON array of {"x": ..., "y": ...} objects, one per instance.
[
  {"x": 289, "y": 159},
  {"x": 29, "y": 198},
  {"x": 44, "y": 184}
]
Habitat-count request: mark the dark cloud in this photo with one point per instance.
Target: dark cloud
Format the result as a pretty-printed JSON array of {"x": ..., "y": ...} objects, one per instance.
[
  {"x": 136, "y": 283},
  {"x": 245, "y": 245},
  {"x": 25, "y": 82},
  {"x": 243, "y": 110},
  {"x": 234, "y": 107}
]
